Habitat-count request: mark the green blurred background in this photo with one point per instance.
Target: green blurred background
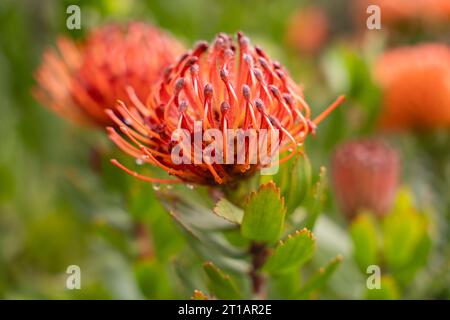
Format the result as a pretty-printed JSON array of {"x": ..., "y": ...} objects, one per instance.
[{"x": 56, "y": 210}]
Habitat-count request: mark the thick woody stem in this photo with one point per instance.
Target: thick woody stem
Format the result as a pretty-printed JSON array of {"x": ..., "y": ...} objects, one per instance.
[{"x": 259, "y": 253}]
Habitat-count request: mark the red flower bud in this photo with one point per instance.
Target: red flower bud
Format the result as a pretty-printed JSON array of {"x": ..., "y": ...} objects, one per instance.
[{"x": 365, "y": 176}]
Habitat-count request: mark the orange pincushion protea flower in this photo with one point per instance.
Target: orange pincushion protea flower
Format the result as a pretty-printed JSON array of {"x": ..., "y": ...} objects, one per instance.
[
  {"x": 416, "y": 85},
  {"x": 223, "y": 87},
  {"x": 78, "y": 81},
  {"x": 308, "y": 30},
  {"x": 365, "y": 176}
]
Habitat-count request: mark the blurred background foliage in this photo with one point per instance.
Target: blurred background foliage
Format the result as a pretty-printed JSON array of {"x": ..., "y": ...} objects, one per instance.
[{"x": 62, "y": 203}]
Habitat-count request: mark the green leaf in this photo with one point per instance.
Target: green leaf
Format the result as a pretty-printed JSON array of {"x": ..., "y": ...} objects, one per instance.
[
  {"x": 407, "y": 242},
  {"x": 418, "y": 259},
  {"x": 235, "y": 238},
  {"x": 319, "y": 279},
  {"x": 285, "y": 285},
  {"x": 229, "y": 211},
  {"x": 365, "y": 243},
  {"x": 264, "y": 214},
  {"x": 192, "y": 211},
  {"x": 193, "y": 208},
  {"x": 291, "y": 253},
  {"x": 220, "y": 284},
  {"x": 294, "y": 180},
  {"x": 318, "y": 199},
  {"x": 403, "y": 230},
  {"x": 388, "y": 290},
  {"x": 299, "y": 177}
]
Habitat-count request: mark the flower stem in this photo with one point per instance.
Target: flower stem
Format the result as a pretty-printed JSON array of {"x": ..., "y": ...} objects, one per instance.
[{"x": 259, "y": 253}]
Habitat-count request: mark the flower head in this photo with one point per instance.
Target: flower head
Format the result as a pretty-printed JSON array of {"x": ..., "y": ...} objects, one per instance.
[
  {"x": 223, "y": 87},
  {"x": 80, "y": 80},
  {"x": 365, "y": 176},
  {"x": 416, "y": 86}
]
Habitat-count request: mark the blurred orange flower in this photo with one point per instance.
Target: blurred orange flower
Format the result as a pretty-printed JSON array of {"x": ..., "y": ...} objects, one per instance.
[
  {"x": 416, "y": 85},
  {"x": 395, "y": 12},
  {"x": 80, "y": 80},
  {"x": 308, "y": 29},
  {"x": 225, "y": 86},
  {"x": 365, "y": 176}
]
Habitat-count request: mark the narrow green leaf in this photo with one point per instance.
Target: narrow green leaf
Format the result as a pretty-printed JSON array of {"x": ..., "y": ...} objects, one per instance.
[
  {"x": 319, "y": 199},
  {"x": 418, "y": 259},
  {"x": 406, "y": 242},
  {"x": 229, "y": 211},
  {"x": 319, "y": 279},
  {"x": 212, "y": 246},
  {"x": 291, "y": 253},
  {"x": 402, "y": 232},
  {"x": 365, "y": 243},
  {"x": 220, "y": 284},
  {"x": 264, "y": 214},
  {"x": 294, "y": 180},
  {"x": 193, "y": 214},
  {"x": 299, "y": 177}
]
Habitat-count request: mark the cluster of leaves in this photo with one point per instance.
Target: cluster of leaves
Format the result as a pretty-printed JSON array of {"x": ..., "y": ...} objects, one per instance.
[
  {"x": 251, "y": 247},
  {"x": 399, "y": 244}
]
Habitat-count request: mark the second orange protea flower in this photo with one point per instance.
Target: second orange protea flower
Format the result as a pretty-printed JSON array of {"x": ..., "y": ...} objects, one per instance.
[
  {"x": 208, "y": 93},
  {"x": 80, "y": 80},
  {"x": 416, "y": 87}
]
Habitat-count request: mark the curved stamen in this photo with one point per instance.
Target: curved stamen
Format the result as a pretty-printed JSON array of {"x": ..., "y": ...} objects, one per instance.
[
  {"x": 143, "y": 178},
  {"x": 328, "y": 110}
]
